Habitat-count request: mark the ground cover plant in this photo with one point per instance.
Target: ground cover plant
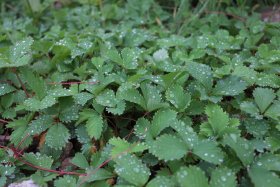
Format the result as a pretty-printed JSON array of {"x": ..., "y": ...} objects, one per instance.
[{"x": 139, "y": 93}]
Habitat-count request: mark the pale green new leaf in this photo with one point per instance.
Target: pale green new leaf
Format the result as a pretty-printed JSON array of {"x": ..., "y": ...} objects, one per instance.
[
  {"x": 191, "y": 176},
  {"x": 130, "y": 168},
  {"x": 168, "y": 147},
  {"x": 263, "y": 97},
  {"x": 57, "y": 136}
]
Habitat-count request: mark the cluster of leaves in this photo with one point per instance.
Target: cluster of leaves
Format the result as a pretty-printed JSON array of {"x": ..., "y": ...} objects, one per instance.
[{"x": 144, "y": 106}]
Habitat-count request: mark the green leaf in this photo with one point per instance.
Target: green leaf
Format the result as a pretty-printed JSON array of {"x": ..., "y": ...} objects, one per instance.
[
  {"x": 37, "y": 159},
  {"x": 250, "y": 108},
  {"x": 113, "y": 105},
  {"x": 82, "y": 98},
  {"x": 262, "y": 177},
  {"x": 40, "y": 124},
  {"x": 163, "y": 181},
  {"x": 142, "y": 129},
  {"x": 60, "y": 92},
  {"x": 191, "y": 176},
  {"x": 267, "y": 79},
  {"x": 246, "y": 73},
  {"x": 201, "y": 72},
  {"x": 209, "y": 151},
  {"x": 128, "y": 93},
  {"x": 241, "y": 147},
  {"x": 121, "y": 146},
  {"x": 36, "y": 83},
  {"x": 273, "y": 110},
  {"x": 33, "y": 104},
  {"x": 160, "y": 55},
  {"x": 97, "y": 175},
  {"x": 152, "y": 96},
  {"x": 20, "y": 54},
  {"x": 113, "y": 55},
  {"x": 177, "y": 96},
  {"x": 66, "y": 180},
  {"x": 94, "y": 125},
  {"x": 6, "y": 170},
  {"x": 217, "y": 118},
  {"x": 57, "y": 136},
  {"x": 129, "y": 58},
  {"x": 107, "y": 98},
  {"x": 223, "y": 177},
  {"x": 168, "y": 147},
  {"x": 130, "y": 168},
  {"x": 80, "y": 161},
  {"x": 186, "y": 132},
  {"x": 82, "y": 134},
  {"x": 229, "y": 86},
  {"x": 70, "y": 113},
  {"x": 268, "y": 161},
  {"x": 6, "y": 88},
  {"x": 263, "y": 97},
  {"x": 161, "y": 120}
]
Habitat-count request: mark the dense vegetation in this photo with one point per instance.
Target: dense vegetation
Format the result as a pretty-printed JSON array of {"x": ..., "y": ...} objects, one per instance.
[{"x": 139, "y": 93}]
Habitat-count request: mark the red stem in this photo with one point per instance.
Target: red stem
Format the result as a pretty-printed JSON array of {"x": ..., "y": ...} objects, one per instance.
[
  {"x": 69, "y": 83},
  {"x": 226, "y": 14},
  {"x": 22, "y": 140},
  {"x": 50, "y": 170},
  {"x": 18, "y": 156},
  {"x": 21, "y": 83},
  {"x": 3, "y": 121}
]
